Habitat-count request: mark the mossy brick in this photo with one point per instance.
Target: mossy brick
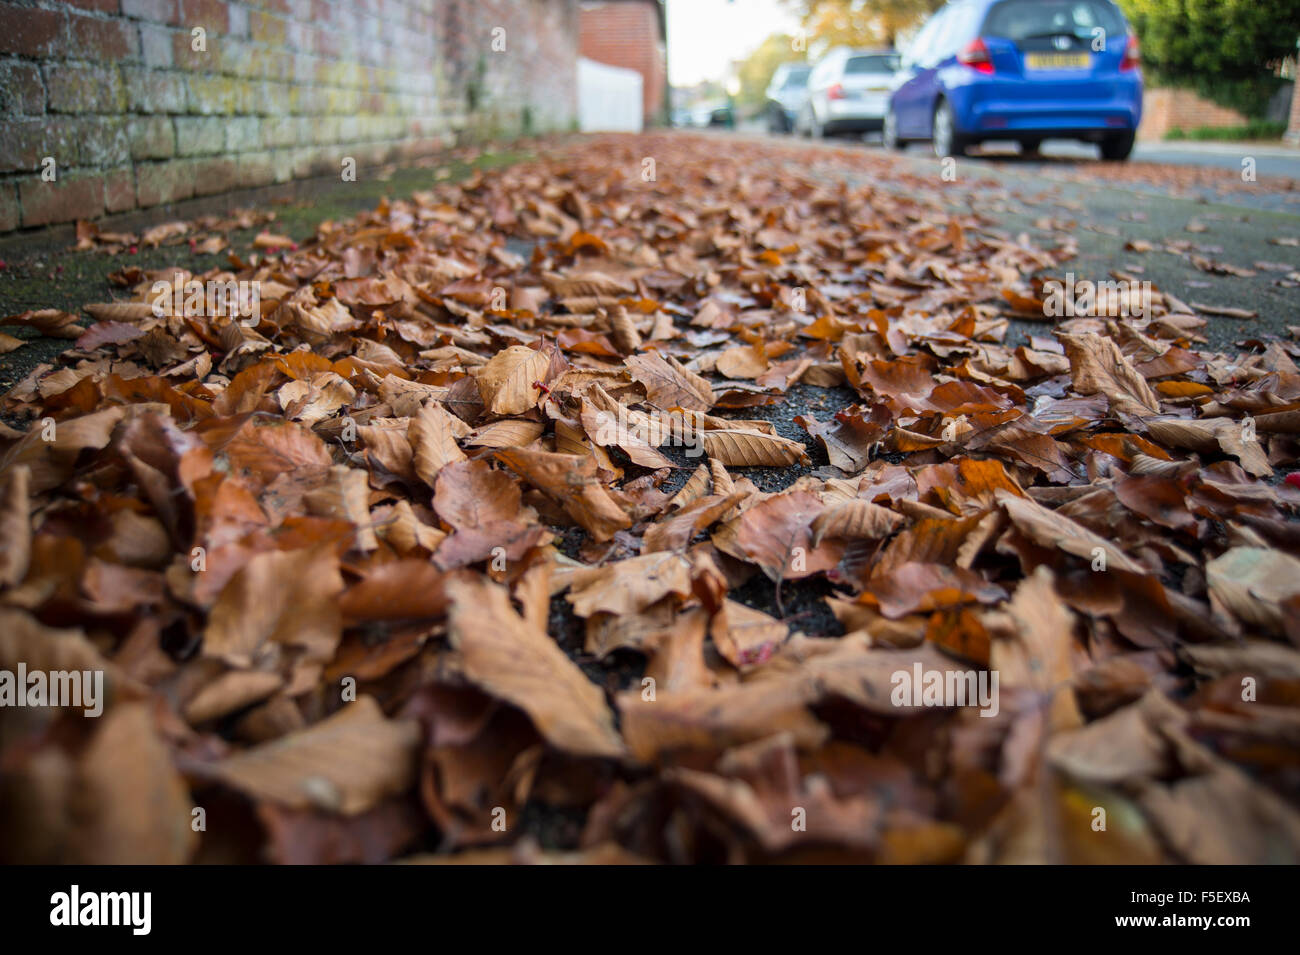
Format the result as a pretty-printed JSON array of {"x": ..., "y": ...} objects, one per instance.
[
  {"x": 185, "y": 55},
  {"x": 199, "y": 135},
  {"x": 154, "y": 91},
  {"x": 212, "y": 176},
  {"x": 103, "y": 141},
  {"x": 163, "y": 182},
  {"x": 21, "y": 89},
  {"x": 30, "y": 31},
  {"x": 72, "y": 196},
  {"x": 25, "y": 142},
  {"x": 242, "y": 134},
  {"x": 266, "y": 28},
  {"x": 10, "y": 212},
  {"x": 73, "y": 88},
  {"x": 151, "y": 137},
  {"x": 256, "y": 169},
  {"x": 119, "y": 189},
  {"x": 212, "y": 95}
]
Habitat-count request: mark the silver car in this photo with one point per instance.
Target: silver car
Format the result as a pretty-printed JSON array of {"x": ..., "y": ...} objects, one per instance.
[
  {"x": 786, "y": 95},
  {"x": 848, "y": 92}
]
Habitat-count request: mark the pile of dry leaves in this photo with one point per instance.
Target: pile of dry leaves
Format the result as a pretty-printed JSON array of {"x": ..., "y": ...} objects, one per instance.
[{"x": 453, "y": 551}]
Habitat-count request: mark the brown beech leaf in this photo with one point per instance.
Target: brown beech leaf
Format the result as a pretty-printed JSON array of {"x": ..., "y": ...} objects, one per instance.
[
  {"x": 1254, "y": 584},
  {"x": 669, "y": 384},
  {"x": 631, "y": 585},
  {"x": 1210, "y": 435},
  {"x": 740, "y": 448},
  {"x": 508, "y": 383},
  {"x": 433, "y": 443},
  {"x": 1055, "y": 530},
  {"x": 776, "y": 534},
  {"x": 855, "y": 520},
  {"x": 573, "y": 483},
  {"x": 514, "y": 659},
  {"x": 281, "y": 597},
  {"x": 1098, "y": 367},
  {"x": 347, "y": 763}
]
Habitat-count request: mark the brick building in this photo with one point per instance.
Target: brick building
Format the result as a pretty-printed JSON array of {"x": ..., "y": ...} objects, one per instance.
[
  {"x": 630, "y": 34},
  {"x": 137, "y": 103}
]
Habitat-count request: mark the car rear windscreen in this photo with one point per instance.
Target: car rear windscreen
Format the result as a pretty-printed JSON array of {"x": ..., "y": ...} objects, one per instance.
[
  {"x": 797, "y": 77},
  {"x": 1018, "y": 20},
  {"x": 881, "y": 63}
]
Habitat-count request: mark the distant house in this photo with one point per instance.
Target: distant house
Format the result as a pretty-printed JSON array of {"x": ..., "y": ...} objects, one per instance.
[{"x": 631, "y": 34}]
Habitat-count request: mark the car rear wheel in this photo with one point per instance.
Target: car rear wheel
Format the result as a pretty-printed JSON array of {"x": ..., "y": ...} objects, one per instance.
[
  {"x": 889, "y": 131},
  {"x": 1117, "y": 148},
  {"x": 947, "y": 142}
]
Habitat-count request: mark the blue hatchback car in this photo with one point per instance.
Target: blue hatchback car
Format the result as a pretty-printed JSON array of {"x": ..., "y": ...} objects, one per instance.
[{"x": 1023, "y": 70}]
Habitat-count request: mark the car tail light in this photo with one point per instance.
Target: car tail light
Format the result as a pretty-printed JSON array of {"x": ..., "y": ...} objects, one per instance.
[
  {"x": 835, "y": 92},
  {"x": 976, "y": 56},
  {"x": 1132, "y": 55}
]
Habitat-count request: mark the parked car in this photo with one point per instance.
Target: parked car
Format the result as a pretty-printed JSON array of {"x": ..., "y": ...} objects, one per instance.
[
  {"x": 712, "y": 114},
  {"x": 848, "y": 92},
  {"x": 1023, "y": 70},
  {"x": 786, "y": 95}
]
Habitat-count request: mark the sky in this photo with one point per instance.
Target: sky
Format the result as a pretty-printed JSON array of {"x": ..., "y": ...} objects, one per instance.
[{"x": 705, "y": 35}]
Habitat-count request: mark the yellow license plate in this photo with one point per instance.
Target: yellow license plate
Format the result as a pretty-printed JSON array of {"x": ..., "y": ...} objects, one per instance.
[{"x": 1058, "y": 61}]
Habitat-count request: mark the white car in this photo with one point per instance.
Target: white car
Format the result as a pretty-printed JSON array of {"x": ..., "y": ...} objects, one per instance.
[{"x": 848, "y": 92}]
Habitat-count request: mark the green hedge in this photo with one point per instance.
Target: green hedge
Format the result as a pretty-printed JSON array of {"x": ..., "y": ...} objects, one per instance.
[{"x": 1220, "y": 48}]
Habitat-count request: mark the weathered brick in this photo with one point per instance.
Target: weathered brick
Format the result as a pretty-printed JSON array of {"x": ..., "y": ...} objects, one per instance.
[
  {"x": 104, "y": 41},
  {"x": 99, "y": 6},
  {"x": 10, "y": 213},
  {"x": 119, "y": 190},
  {"x": 24, "y": 143},
  {"x": 73, "y": 88},
  {"x": 162, "y": 182},
  {"x": 21, "y": 89},
  {"x": 209, "y": 14},
  {"x": 71, "y": 196},
  {"x": 156, "y": 45},
  {"x": 199, "y": 135},
  {"x": 237, "y": 20},
  {"x": 212, "y": 95},
  {"x": 242, "y": 134},
  {"x": 102, "y": 141},
  {"x": 156, "y": 11},
  {"x": 31, "y": 32},
  {"x": 151, "y": 137},
  {"x": 256, "y": 169},
  {"x": 154, "y": 91},
  {"x": 212, "y": 176}
]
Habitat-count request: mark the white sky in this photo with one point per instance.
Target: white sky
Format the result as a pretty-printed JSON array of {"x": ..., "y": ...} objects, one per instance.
[{"x": 705, "y": 35}]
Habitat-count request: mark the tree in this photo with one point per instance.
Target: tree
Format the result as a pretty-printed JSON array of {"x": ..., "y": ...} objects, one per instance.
[
  {"x": 861, "y": 22},
  {"x": 1224, "y": 49}
]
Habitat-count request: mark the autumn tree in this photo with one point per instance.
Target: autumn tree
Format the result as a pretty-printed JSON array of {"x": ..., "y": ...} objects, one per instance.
[
  {"x": 755, "y": 72},
  {"x": 831, "y": 23}
]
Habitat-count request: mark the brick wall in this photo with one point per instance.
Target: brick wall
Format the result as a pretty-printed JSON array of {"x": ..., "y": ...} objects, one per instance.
[
  {"x": 136, "y": 110},
  {"x": 627, "y": 33},
  {"x": 1166, "y": 109}
]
